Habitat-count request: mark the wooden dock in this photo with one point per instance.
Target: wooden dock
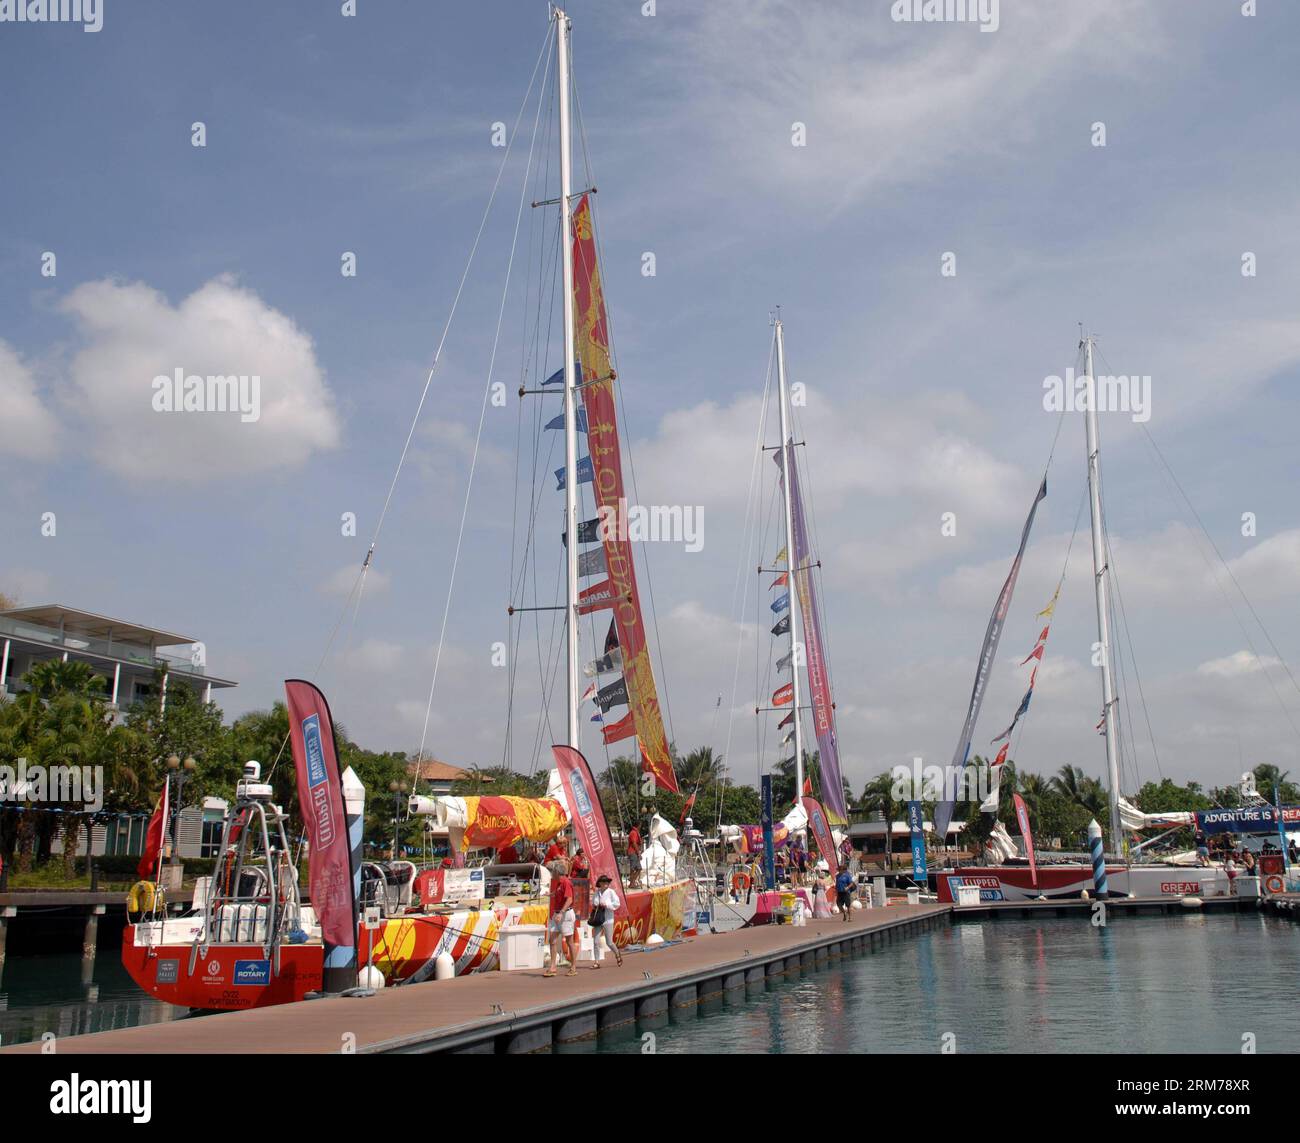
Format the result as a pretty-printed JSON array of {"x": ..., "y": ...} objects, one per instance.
[{"x": 521, "y": 1011}]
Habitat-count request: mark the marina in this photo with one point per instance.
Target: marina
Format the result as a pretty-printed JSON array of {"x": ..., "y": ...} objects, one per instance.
[
  {"x": 847, "y": 658},
  {"x": 519, "y": 1012}
]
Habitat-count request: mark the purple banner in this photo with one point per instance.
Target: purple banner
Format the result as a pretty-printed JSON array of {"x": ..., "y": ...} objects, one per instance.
[{"x": 819, "y": 683}]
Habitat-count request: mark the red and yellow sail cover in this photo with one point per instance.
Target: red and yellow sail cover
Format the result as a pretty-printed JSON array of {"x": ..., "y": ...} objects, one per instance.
[
  {"x": 607, "y": 467},
  {"x": 500, "y": 821}
]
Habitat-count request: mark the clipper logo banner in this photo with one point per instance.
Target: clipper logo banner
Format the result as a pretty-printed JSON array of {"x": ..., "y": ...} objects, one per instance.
[{"x": 317, "y": 780}]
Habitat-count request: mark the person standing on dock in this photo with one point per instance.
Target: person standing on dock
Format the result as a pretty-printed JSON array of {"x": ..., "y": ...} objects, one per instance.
[
  {"x": 634, "y": 848},
  {"x": 563, "y": 922},
  {"x": 844, "y": 891},
  {"x": 603, "y": 907}
]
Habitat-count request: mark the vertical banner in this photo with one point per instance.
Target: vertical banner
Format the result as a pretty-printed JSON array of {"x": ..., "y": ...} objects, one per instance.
[
  {"x": 611, "y": 505},
  {"x": 916, "y": 826},
  {"x": 821, "y": 831},
  {"x": 320, "y": 801},
  {"x": 769, "y": 847},
  {"x": 1022, "y": 816},
  {"x": 590, "y": 829},
  {"x": 992, "y": 634},
  {"x": 819, "y": 683}
]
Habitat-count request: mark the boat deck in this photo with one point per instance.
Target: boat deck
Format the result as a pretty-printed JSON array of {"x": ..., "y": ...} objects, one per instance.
[{"x": 520, "y": 1011}]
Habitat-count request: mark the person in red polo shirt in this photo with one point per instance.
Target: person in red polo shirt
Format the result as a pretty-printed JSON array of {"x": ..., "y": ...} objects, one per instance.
[
  {"x": 563, "y": 922},
  {"x": 558, "y": 851}
]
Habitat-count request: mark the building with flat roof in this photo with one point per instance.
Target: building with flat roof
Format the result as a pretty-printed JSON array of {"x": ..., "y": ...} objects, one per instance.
[{"x": 126, "y": 655}]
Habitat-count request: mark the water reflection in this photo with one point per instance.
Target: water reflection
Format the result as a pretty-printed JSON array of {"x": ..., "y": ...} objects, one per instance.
[
  {"x": 63, "y": 995},
  {"x": 1149, "y": 984}
]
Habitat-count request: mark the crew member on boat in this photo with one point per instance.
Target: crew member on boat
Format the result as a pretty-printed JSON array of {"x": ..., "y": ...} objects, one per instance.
[
  {"x": 580, "y": 866},
  {"x": 634, "y": 849}
]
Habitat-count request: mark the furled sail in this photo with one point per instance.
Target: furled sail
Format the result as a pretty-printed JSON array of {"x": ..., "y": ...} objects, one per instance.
[{"x": 606, "y": 466}]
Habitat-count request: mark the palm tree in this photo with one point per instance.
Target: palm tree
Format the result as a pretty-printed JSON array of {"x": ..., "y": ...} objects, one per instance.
[
  {"x": 700, "y": 768},
  {"x": 57, "y": 721},
  {"x": 1034, "y": 789}
]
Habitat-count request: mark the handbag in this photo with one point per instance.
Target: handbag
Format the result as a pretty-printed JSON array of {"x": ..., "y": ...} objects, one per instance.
[{"x": 597, "y": 918}]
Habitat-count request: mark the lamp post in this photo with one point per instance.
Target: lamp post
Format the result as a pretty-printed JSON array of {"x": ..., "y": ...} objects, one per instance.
[
  {"x": 182, "y": 770},
  {"x": 399, "y": 791}
]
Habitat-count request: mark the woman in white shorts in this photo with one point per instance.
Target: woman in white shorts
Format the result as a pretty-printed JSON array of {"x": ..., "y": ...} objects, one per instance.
[{"x": 607, "y": 900}]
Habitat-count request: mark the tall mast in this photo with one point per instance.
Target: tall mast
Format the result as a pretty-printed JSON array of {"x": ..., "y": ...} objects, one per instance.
[
  {"x": 1101, "y": 579},
  {"x": 570, "y": 382},
  {"x": 787, "y": 448}
]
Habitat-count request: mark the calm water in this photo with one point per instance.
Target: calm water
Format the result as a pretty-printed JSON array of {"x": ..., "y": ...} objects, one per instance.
[
  {"x": 1191, "y": 983},
  {"x": 41, "y": 994}
]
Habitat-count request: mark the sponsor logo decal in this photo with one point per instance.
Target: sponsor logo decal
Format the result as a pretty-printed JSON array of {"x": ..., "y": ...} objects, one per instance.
[
  {"x": 1180, "y": 887},
  {"x": 252, "y": 972}
]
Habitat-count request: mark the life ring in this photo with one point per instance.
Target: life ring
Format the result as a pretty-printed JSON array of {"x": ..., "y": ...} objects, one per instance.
[
  {"x": 1273, "y": 883},
  {"x": 144, "y": 897},
  {"x": 741, "y": 881}
]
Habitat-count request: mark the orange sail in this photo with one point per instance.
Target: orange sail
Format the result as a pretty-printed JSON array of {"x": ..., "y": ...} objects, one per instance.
[{"x": 602, "y": 436}]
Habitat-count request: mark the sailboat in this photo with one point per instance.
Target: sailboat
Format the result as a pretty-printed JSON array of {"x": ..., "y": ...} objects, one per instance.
[
  {"x": 1005, "y": 880},
  {"x": 799, "y": 627},
  {"x": 250, "y": 940}
]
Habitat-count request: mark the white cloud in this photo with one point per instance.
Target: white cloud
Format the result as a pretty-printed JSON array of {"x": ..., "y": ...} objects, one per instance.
[
  {"x": 30, "y": 430},
  {"x": 1237, "y": 664},
  {"x": 134, "y": 334}
]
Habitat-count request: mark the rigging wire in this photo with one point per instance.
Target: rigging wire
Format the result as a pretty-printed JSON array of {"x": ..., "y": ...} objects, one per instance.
[
  {"x": 1263, "y": 666},
  {"x": 487, "y": 393},
  {"x": 359, "y": 582},
  {"x": 622, "y": 408},
  {"x": 515, "y": 631},
  {"x": 747, "y": 552}
]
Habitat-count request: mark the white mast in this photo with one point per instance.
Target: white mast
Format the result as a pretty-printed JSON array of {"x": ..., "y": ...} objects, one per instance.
[
  {"x": 570, "y": 382},
  {"x": 796, "y": 655},
  {"x": 1101, "y": 578}
]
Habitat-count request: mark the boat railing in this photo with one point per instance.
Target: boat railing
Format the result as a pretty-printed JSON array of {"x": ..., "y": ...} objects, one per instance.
[{"x": 253, "y": 896}]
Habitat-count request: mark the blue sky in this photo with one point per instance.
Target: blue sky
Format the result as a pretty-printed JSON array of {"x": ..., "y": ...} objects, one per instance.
[{"x": 372, "y": 134}]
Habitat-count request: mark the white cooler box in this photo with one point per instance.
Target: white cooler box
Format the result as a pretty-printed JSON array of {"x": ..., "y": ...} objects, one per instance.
[{"x": 521, "y": 946}]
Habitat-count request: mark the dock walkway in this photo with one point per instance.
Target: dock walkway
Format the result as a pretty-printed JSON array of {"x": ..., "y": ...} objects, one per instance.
[{"x": 520, "y": 1011}]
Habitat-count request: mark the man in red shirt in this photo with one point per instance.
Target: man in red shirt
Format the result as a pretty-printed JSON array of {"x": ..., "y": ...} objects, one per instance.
[
  {"x": 634, "y": 857},
  {"x": 561, "y": 926},
  {"x": 558, "y": 850}
]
